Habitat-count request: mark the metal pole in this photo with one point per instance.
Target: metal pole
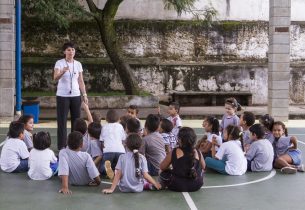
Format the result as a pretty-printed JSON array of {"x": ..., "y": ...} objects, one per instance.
[{"x": 18, "y": 57}]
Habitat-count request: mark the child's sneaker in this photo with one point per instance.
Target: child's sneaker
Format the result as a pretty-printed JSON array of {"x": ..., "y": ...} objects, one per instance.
[
  {"x": 148, "y": 186},
  {"x": 288, "y": 170},
  {"x": 109, "y": 170},
  {"x": 301, "y": 168}
]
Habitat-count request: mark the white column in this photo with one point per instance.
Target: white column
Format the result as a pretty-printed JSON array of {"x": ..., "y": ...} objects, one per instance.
[
  {"x": 279, "y": 59},
  {"x": 7, "y": 60}
]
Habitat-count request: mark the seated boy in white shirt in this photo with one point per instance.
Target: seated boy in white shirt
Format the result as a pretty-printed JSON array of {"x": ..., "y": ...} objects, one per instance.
[
  {"x": 14, "y": 155},
  {"x": 76, "y": 167}
]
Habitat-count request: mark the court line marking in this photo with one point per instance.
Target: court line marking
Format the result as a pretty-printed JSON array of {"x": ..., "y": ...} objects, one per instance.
[
  {"x": 272, "y": 174},
  {"x": 301, "y": 142},
  {"x": 106, "y": 182},
  {"x": 189, "y": 201}
]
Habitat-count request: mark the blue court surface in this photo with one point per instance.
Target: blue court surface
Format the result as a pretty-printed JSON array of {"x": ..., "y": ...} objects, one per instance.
[{"x": 271, "y": 190}]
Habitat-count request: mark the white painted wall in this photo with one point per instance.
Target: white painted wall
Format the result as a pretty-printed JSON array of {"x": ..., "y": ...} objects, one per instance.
[{"x": 249, "y": 10}]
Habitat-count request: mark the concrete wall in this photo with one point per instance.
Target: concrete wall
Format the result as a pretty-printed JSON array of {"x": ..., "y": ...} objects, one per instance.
[
  {"x": 227, "y": 9},
  {"x": 7, "y": 59}
]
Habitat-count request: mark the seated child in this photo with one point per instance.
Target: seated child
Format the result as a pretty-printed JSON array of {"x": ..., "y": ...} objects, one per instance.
[
  {"x": 187, "y": 163},
  {"x": 123, "y": 120},
  {"x": 76, "y": 167},
  {"x": 112, "y": 137},
  {"x": 173, "y": 111},
  {"x": 131, "y": 171},
  {"x": 202, "y": 144},
  {"x": 288, "y": 157},
  {"x": 94, "y": 145},
  {"x": 133, "y": 112},
  {"x": 267, "y": 122},
  {"x": 81, "y": 126},
  {"x": 229, "y": 159},
  {"x": 247, "y": 119},
  {"x": 260, "y": 153},
  {"x": 153, "y": 145},
  {"x": 211, "y": 127},
  {"x": 14, "y": 155},
  {"x": 170, "y": 140},
  {"x": 133, "y": 126},
  {"x": 42, "y": 161},
  {"x": 28, "y": 121}
]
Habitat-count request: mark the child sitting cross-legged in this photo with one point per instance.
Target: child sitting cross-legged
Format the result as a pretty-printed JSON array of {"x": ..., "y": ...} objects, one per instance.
[
  {"x": 230, "y": 158},
  {"x": 131, "y": 172},
  {"x": 76, "y": 167},
  {"x": 260, "y": 153},
  {"x": 14, "y": 155},
  {"x": 187, "y": 163},
  {"x": 42, "y": 162}
]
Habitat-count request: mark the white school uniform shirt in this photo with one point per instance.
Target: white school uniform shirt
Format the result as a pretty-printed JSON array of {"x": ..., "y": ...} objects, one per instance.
[
  {"x": 64, "y": 83},
  {"x": 236, "y": 162},
  {"x": 218, "y": 139},
  {"x": 39, "y": 164},
  {"x": 177, "y": 123},
  {"x": 112, "y": 135},
  {"x": 12, "y": 151}
]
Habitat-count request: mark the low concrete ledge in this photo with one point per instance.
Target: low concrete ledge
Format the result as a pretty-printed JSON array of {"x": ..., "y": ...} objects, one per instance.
[{"x": 107, "y": 102}]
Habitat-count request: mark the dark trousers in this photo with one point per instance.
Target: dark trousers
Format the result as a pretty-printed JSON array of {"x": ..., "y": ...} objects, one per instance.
[{"x": 63, "y": 106}]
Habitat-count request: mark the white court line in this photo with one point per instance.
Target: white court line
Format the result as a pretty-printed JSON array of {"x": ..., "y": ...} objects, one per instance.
[
  {"x": 106, "y": 182},
  {"x": 272, "y": 174},
  {"x": 189, "y": 201},
  {"x": 301, "y": 142}
]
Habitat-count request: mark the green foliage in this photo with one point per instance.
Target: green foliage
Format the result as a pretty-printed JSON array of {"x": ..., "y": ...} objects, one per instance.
[
  {"x": 59, "y": 12},
  {"x": 180, "y": 5}
]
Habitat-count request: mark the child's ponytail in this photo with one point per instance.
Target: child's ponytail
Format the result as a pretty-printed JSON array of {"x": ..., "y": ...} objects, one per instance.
[
  {"x": 235, "y": 133},
  {"x": 136, "y": 162},
  {"x": 133, "y": 143}
]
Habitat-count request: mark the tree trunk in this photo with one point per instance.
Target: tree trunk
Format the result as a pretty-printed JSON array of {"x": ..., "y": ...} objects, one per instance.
[{"x": 105, "y": 21}]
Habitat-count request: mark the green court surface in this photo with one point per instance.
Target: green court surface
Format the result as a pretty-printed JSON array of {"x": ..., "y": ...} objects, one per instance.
[{"x": 270, "y": 190}]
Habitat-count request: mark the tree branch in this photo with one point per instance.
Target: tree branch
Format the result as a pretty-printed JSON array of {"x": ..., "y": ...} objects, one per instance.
[
  {"x": 111, "y": 7},
  {"x": 92, "y": 7}
]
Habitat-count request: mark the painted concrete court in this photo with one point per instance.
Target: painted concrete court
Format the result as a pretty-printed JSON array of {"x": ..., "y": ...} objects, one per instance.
[{"x": 271, "y": 190}]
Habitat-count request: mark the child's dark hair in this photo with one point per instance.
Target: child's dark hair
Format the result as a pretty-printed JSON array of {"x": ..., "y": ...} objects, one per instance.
[
  {"x": 249, "y": 118},
  {"x": 267, "y": 121},
  {"x": 96, "y": 117},
  {"x": 67, "y": 45},
  {"x": 112, "y": 116},
  {"x": 283, "y": 126},
  {"x": 187, "y": 139},
  {"x": 80, "y": 125},
  {"x": 42, "y": 140},
  {"x": 133, "y": 125},
  {"x": 233, "y": 102},
  {"x": 152, "y": 123},
  {"x": 94, "y": 129},
  {"x": 176, "y": 105},
  {"x": 16, "y": 128},
  {"x": 134, "y": 107},
  {"x": 123, "y": 120},
  {"x": 75, "y": 140},
  {"x": 258, "y": 130},
  {"x": 25, "y": 118},
  {"x": 200, "y": 141},
  {"x": 235, "y": 133},
  {"x": 166, "y": 125},
  {"x": 215, "y": 124},
  {"x": 133, "y": 143}
]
